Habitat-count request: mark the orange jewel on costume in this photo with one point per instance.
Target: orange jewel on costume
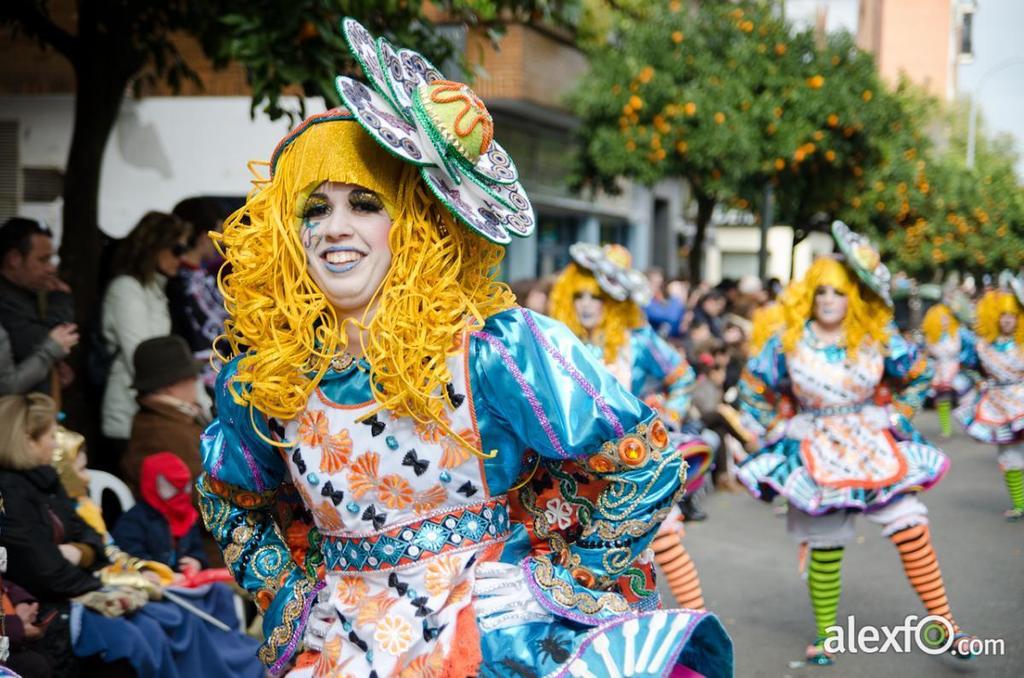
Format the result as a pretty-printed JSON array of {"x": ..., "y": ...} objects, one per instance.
[
  {"x": 658, "y": 434},
  {"x": 583, "y": 577},
  {"x": 601, "y": 464},
  {"x": 632, "y": 451}
]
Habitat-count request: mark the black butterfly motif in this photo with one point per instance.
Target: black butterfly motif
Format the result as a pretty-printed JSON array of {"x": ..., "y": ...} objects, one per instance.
[
  {"x": 397, "y": 585},
  {"x": 421, "y": 606},
  {"x": 328, "y": 491},
  {"x": 467, "y": 488},
  {"x": 275, "y": 428},
  {"x": 376, "y": 427},
  {"x": 429, "y": 633},
  {"x": 357, "y": 641},
  {"x": 419, "y": 466},
  {"x": 299, "y": 463},
  {"x": 378, "y": 518},
  {"x": 456, "y": 398},
  {"x": 541, "y": 481}
]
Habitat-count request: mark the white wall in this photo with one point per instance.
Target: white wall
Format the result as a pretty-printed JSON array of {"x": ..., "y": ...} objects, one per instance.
[
  {"x": 747, "y": 240},
  {"x": 162, "y": 149}
]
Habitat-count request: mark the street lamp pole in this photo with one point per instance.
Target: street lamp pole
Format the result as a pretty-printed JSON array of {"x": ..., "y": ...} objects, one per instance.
[{"x": 972, "y": 122}]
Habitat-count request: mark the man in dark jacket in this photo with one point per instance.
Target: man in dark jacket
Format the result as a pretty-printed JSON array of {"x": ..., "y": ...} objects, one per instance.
[
  {"x": 33, "y": 300},
  {"x": 169, "y": 418}
]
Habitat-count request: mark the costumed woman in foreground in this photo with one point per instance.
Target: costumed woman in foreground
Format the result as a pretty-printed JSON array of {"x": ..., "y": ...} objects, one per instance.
[
  {"x": 993, "y": 412},
  {"x": 385, "y": 379},
  {"x": 949, "y": 346},
  {"x": 836, "y": 444},
  {"x": 600, "y": 297}
]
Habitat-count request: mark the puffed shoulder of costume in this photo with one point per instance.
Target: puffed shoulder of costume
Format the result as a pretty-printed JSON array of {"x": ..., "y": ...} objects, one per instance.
[
  {"x": 233, "y": 450},
  {"x": 545, "y": 389}
]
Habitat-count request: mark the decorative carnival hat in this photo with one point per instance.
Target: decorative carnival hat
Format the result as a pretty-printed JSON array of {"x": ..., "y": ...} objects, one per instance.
[
  {"x": 440, "y": 126},
  {"x": 612, "y": 266},
  {"x": 863, "y": 257}
]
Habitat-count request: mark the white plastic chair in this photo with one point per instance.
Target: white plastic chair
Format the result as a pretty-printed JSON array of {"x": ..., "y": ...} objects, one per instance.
[{"x": 101, "y": 481}]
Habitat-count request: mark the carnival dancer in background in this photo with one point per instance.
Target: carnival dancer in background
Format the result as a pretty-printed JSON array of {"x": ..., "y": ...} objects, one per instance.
[
  {"x": 835, "y": 444},
  {"x": 381, "y": 370},
  {"x": 600, "y": 298},
  {"x": 948, "y": 345},
  {"x": 993, "y": 412}
]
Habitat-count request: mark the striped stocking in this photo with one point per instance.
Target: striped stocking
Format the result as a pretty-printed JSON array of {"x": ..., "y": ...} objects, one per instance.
[
  {"x": 944, "y": 407},
  {"x": 922, "y": 567},
  {"x": 824, "y": 585},
  {"x": 1014, "y": 478},
  {"x": 679, "y": 569}
]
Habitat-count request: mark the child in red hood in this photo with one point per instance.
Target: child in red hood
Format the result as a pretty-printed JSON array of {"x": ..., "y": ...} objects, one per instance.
[{"x": 164, "y": 526}]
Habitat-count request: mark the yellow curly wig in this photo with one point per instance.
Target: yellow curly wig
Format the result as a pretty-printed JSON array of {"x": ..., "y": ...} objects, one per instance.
[
  {"x": 441, "y": 277},
  {"x": 931, "y": 325},
  {"x": 867, "y": 316},
  {"x": 993, "y": 305},
  {"x": 765, "y": 323},
  {"x": 619, "y": 316}
]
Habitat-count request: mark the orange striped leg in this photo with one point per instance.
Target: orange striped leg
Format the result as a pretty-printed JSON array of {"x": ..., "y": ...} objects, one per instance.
[
  {"x": 679, "y": 569},
  {"x": 922, "y": 568}
]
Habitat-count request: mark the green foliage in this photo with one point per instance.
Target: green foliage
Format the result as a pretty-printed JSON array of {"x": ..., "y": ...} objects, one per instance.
[
  {"x": 729, "y": 97},
  {"x": 296, "y": 47}
]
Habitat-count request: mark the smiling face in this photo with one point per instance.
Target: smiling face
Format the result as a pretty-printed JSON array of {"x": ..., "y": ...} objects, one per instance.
[
  {"x": 589, "y": 309},
  {"x": 344, "y": 232},
  {"x": 829, "y": 307}
]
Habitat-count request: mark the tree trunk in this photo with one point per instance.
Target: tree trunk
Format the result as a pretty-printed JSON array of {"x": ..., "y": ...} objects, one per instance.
[
  {"x": 100, "y": 88},
  {"x": 705, "y": 208}
]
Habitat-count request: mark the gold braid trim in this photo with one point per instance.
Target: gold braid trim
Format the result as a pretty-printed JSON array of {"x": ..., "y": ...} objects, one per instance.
[
  {"x": 566, "y": 596},
  {"x": 283, "y": 632}
]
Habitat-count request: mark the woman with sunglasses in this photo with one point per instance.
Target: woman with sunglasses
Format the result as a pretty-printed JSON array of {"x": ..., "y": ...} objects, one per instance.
[
  {"x": 135, "y": 309},
  {"x": 386, "y": 389},
  {"x": 600, "y": 298}
]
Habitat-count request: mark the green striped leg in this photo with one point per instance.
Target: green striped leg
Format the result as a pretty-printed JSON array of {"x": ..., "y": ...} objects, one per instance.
[
  {"x": 944, "y": 408},
  {"x": 1014, "y": 478},
  {"x": 824, "y": 585}
]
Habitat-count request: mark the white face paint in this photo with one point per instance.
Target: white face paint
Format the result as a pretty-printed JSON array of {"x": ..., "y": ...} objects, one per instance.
[
  {"x": 1008, "y": 324},
  {"x": 589, "y": 309},
  {"x": 829, "y": 307},
  {"x": 345, "y": 234}
]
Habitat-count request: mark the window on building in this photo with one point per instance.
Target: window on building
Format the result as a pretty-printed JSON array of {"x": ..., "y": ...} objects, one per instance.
[
  {"x": 614, "y": 231},
  {"x": 10, "y": 177},
  {"x": 967, "y": 33},
  {"x": 555, "y": 232}
]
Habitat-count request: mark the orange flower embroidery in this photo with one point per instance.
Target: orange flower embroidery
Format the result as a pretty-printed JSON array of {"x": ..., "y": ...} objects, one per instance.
[
  {"x": 351, "y": 590},
  {"x": 431, "y": 431},
  {"x": 327, "y": 517},
  {"x": 336, "y": 451},
  {"x": 459, "y": 593},
  {"x": 393, "y": 635},
  {"x": 327, "y": 665},
  {"x": 441, "y": 572},
  {"x": 395, "y": 491},
  {"x": 430, "y": 498},
  {"x": 363, "y": 476},
  {"x": 455, "y": 454},
  {"x": 425, "y": 666},
  {"x": 313, "y": 427},
  {"x": 374, "y": 607}
]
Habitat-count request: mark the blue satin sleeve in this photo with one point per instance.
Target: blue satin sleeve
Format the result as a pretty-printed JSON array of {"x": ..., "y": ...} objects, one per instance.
[
  {"x": 764, "y": 379},
  {"x": 654, "y": 358},
  {"x": 237, "y": 494},
  {"x": 909, "y": 370},
  {"x": 968, "y": 349},
  {"x": 535, "y": 386}
]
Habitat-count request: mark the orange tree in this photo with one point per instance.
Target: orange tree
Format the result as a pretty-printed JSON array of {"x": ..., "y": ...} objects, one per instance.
[{"x": 731, "y": 98}]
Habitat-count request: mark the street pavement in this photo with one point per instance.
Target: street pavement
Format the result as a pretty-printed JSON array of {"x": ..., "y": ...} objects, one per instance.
[{"x": 748, "y": 567}]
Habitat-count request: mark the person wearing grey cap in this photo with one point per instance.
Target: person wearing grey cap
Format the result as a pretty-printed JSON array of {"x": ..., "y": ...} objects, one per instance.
[{"x": 169, "y": 417}]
